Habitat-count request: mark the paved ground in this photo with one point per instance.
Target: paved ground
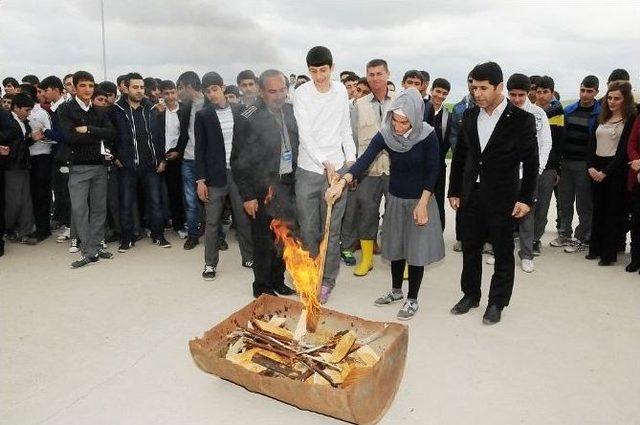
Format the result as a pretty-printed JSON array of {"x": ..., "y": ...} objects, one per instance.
[{"x": 108, "y": 344}]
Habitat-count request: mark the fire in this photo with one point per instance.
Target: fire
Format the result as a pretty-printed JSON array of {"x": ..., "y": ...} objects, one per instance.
[{"x": 304, "y": 270}]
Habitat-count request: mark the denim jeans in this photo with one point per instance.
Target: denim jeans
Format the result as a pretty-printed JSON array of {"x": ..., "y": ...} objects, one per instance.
[
  {"x": 190, "y": 196},
  {"x": 152, "y": 188}
]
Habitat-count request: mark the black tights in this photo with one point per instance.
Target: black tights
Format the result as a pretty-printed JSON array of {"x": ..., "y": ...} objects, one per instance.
[{"x": 415, "y": 277}]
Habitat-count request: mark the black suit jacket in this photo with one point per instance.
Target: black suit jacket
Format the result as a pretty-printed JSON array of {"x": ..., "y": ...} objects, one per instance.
[
  {"x": 162, "y": 126},
  {"x": 18, "y": 158},
  {"x": 512, "y": 142},
  {"x": 210, "y": 153}
]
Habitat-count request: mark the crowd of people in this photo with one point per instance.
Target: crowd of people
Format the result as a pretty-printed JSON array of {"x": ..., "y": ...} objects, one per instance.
[{"x": 118, "y": 162}]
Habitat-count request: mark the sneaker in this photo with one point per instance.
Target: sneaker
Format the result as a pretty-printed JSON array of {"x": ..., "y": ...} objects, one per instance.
[
  {"x": 190, "y": 243},
  {"x": 348, "y": 257},
  {"x": 536, "y": 249},
  {"x": 125, "y": 247},
  {"x": 576, "y": 246},
  {"x": 325, "y": 292},
  {"x": 408, "y": 310},
  {"x": 527, "y": 265},
  {"x": 84, "y": 261},
  {"x": 73, "y": 248},
  {"x": 161, "y": 242},
  {"x": 209, "y": 273},
  {"x": 103, "y": 245},
  {"x": 28, "y": 240},
  {"x": 65, "y": 235},
  {"x": 103, "y": 254},
  {"x": 560, "y": 241},
  {"x": 182, "y": 234},
  {"x": 457, "y": 247},
  {"x": 491, "y": 260},
  {"x": 390, "y": 298},
  {"x": 222, "y": 244},
  {"x": 247, "y": 263}
]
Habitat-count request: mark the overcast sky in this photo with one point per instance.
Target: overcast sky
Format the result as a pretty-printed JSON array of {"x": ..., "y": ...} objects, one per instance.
[{"x": 162, "y": 38}]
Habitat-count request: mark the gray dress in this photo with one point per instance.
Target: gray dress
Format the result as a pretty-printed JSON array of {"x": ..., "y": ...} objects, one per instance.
[{"x": 402, "y": 238}]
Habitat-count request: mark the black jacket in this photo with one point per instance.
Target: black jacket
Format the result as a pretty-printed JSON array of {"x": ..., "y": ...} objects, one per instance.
[
  {"x": 619, "y": 162},
  {"x": 160, "y": 129},
  {"x": 126, "y": 146},
  {"x": 84, "y": 149},
  {"x": 255, "y": 159},
  {"x": 18, "y": 158},
  {"x": 184, "y": 126},
  {"x": 209, "y": 149},
  {"x": 446, "y": 139},
  {"x": 512, "y": 142}
]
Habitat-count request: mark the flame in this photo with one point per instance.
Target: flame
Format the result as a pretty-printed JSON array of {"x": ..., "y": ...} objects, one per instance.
[{"x": 304, "y": 270}]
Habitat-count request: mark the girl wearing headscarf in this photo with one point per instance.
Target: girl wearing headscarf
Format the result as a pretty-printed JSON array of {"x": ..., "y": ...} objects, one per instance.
[{"x": 411, "y": 230}]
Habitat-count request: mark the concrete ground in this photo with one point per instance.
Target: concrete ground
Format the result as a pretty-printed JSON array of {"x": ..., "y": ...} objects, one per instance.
[{"x": 108, "y": 344}]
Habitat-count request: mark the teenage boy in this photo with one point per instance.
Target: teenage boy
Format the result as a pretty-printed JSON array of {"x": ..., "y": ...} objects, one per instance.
[
  {"x": 412, "y": 78},
  {"x": 247, "y": 83},
  {"x": 215, "y": 133},
  {"x": 533, "y": 91},
  {"x": 140, "y": 159},
  {"x": 10, "y": 85},
  {"x": 350, "y": 83},
  {"x": 321, "y": 108},
  {"x": 89, "y": 135}
]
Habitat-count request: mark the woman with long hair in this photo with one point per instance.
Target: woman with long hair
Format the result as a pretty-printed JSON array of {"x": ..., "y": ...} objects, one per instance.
[{"x": 607, "y": 169}]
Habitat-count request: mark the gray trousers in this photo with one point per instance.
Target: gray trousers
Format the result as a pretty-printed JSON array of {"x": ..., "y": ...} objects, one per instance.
[
  {"x": 311, "y": 209},
  {"x": 88, "y": 192},
  {"x": 546, "y": 183},
  {"x": 575, "y": 185},
  {"x": 18, "y": 210},
  {"x": 526, "y": 230},
  {"x": 213, "y": 213},
  {"x": 364, "y": 203}
]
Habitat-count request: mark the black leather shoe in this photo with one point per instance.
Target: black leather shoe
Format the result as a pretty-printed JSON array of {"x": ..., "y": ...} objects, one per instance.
[
  {"x": 190, "y": 243},
  {"x": 605, "y": 262},
  {"x": 258, "y": 292},
  {"x": 633, "y": 266},
  {"x": 591, "y": 257},
  {"x": 284, "y": 290},
  {"x": 464, "y": 305},
  {"x": 492, "y": 315}
]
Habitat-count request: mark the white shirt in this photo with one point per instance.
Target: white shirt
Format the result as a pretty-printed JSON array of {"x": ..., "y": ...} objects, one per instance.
[
  {"x": 196, "y": 105},
  {"x": 543, "y": 133},
  {"x": 54, "y": 106},
  {"x": 487, "y": 123},
  {"x": 324, "y": 127},
  {"x": 171, "y": 128},
  {"x": 83, "y": 105},
  {"x": 39, "y": 119},
  {"x": 20, "y": 122}
]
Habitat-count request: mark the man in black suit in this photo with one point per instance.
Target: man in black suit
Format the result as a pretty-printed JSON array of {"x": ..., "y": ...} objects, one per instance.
[
  {"x": 494, "y": 139},
  {"x": 264, "y": 163}
]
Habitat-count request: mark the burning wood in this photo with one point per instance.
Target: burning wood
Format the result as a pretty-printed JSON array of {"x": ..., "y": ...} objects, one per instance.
[{"x": 268, "y": 348}]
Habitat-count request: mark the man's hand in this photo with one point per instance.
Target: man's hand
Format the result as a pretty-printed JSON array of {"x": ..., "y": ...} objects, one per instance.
[
  {"x": 4, "y": 150},
  {"x": 330, "y": 171},
  {"x": 172, "y": 156},
  {"x": 520, "y": 210},
  {"x": 455, "y": 203},
  {"x": 37, "y": 135},
  {"x": 334, "y": 191},
  {"x": 118, "y": 163},
  {"x": 161, "y": 167},
  {"x": 420, "y": 214},
  {"x": 203, "y": 191},
  {"x": 251, "y": 207},
  {"x": 82, "y": 129},
  {"x": 160, "y": 107},
  {"x": 635, "y": 164}
]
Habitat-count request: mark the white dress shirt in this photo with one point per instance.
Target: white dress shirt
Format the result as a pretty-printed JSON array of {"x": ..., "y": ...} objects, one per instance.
[
  {"x": 54, "y": 106},
  {"x": 324, "y": 127},
  {"x": 83, "y": 105},
  {"x": 487, "y": 123},
  {"x": 171, "y": 128},
  {"x": 543, "y": 134},
  {"x": 21, "y": 123},
  {"x": 39, "y": 119}
]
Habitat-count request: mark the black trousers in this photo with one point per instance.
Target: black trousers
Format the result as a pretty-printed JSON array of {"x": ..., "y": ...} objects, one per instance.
[
  {"x": 268, "y": 265},
  {"x": 635, "y": 224},
  {"x": 41, "y": 176},
  {"x": 173, "y": 179},
  {"x": 62, "y": 204},
  {"x": 439, "y": 192},
  {"x": 481, "y": 221},
  {"x": 2, "y": 225}
]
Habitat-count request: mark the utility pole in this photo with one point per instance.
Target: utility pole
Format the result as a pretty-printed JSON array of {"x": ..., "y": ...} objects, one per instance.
[{"x": 104, "y": 44}]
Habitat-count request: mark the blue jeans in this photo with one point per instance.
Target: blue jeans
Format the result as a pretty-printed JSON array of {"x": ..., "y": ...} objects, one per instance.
[
  {"x": 152, "y": 188},
  {"x": 190, "y": 196}
]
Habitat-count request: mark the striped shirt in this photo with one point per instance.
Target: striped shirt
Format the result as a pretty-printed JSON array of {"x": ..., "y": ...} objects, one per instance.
[{"x": 225, "y": 116}]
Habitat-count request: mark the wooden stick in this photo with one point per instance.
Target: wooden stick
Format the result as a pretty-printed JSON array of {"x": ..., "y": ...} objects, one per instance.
[{"x": 322, "y": 253}]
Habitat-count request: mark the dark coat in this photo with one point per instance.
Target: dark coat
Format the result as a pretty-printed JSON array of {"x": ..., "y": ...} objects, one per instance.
[{"x": 11, "y": 133}]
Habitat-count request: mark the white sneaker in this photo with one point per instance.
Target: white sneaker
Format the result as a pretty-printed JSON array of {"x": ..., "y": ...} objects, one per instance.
[
  {"x": 182, "y": 234},
  {"x": 74, "y": 246},
  {"x": 527, "y": 266},
  {"x": 64, "y": 236},
  {"x": 491, "y": 260}
]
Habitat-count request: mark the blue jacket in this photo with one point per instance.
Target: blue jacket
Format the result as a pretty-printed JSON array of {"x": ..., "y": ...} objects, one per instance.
[
  {"x": 594, "y": 114},
  {"x": 126, "y": 146}
]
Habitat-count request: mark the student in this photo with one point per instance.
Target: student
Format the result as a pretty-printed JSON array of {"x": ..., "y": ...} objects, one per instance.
[
  {"x": 140, "y": 159},
  {"x": 88, "y": 134},
  {"x": 575, "y": 186},
  {"x": 412, "y": 78},
  {"x": 424, "y": 88},
  {"x": 351, "y": 83},
  {"x": 215, "y": 132},
  {"x": 495, "y": 138},
  {"x": 111, "y": 90},
  {"x": 533, "y": 91},
  {"x": 69, "y": 88},
  {"x": 232, "y": 93},
  {"x": 321, "y": 109},
  {"x": 151, "y": 90},
  {"x": 10, "y": 85},
  {"x": 607, "y": 168},
  {"x": 362, "y": 88},
  {"x": 6, "y": 101},
  {"x": 411, "y": 231},
  {"x": 518, "y": 87},
  {"x": 247, "y": 83}
]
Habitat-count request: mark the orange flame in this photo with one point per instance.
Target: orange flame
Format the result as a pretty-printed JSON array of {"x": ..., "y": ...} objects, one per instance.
[{"x": 303, "y": 269}]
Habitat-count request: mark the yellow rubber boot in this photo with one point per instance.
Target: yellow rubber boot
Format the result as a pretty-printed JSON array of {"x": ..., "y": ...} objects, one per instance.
[
  {"x": 366, "y": 263},
  {"x": 405, "y": 275}
]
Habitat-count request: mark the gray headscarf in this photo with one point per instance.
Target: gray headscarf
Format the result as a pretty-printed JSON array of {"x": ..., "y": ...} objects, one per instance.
[{"x": 412, "y": 106}]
